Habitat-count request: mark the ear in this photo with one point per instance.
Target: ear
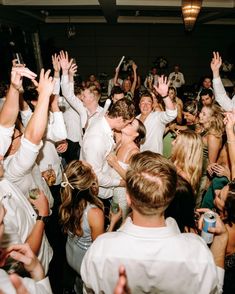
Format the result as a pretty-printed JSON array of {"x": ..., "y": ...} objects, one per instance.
[{"x": 128, "y": 199}]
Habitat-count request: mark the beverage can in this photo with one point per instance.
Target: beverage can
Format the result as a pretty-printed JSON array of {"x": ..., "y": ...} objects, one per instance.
[{"x": 209, "y": 221}]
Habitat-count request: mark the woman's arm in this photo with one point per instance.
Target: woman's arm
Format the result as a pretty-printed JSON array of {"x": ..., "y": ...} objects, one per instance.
[{"x": 214, "y": 145}]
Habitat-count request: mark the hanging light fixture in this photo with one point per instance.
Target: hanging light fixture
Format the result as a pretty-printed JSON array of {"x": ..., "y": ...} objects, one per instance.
[{"x": 190, "y": 11}]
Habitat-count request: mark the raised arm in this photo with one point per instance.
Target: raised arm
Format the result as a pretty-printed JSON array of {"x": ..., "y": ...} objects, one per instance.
[
  {"x": 115, "y": 79},
  {"x": 133, "y": 86},
  {"x": 220, "y": 94},
  {"x": 10, "y": 108},
  {"x": 38, "y": 122}
]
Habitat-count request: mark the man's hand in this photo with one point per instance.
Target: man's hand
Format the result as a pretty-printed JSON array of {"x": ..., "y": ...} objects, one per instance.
[
  {"x": 73, "y": 69},
  {"x": 216, "y": 64},
  {"x": 41, "y": 204},
  {"x": 45, "y": 85},
  {"x": 24, "y": 254},
  {"x": 162, "y": 87},
  {"x": 65, "y": 63},
  {"x": 62, "y": 146},
  {"x": 56, "y": 64},
  {"x": 17, "y": 74}
]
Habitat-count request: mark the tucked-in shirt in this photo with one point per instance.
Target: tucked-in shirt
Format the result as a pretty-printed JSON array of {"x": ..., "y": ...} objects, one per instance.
[
  {"x": 33, "y": 287},
  {"x": 157, "y": 260},
  {"x": 19, "y": 221},
  {"x": 97, "y": 144},
  {"x": 5, "y": 139},
  {"x": 155, "y": 124},
  {"x": 221, "y": 96}
]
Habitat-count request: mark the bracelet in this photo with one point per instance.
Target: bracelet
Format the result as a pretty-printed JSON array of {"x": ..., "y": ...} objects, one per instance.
[
  {"x": 230, "y": 142},
  {"x": 163, "y": 97}
]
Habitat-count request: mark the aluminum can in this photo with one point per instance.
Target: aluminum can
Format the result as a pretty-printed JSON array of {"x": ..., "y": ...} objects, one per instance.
[{"x": 209, "y": 221}]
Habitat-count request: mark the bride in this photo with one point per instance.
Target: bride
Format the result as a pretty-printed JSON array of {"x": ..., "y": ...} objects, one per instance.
[{"x": 132, "y": 136}]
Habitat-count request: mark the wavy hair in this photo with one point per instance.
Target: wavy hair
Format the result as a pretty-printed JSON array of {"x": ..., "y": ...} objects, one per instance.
[
  {"x": 74, "y": 200},
  {"x": 187, "y": 155},
  {"x": 216, "y": 123}
]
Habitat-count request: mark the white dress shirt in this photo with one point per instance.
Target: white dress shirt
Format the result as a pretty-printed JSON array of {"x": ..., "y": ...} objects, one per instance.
[
  {"x": 20, "y": 168},
  {"x": 155, "y": 124},
  {"x": 33, "y": 287},
  {"x": 73, "y": 119},
  {"x": 5, "y": 139},
  {"x": 76, "y": 103},
  {"x": 221, "y": 96},
  {"x": 55, "y": 131},
  {"x": 97, "y": 144},
  {"x": 157, "y": 260},
  {"x": 176, "y": 79},
  {"x": 19, "y": 221}
]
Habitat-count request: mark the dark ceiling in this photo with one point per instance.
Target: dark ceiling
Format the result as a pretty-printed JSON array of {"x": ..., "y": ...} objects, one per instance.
[{"x": 110, "y": 11}]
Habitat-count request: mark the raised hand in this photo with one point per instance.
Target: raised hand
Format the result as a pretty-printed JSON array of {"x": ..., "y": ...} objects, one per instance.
[
  {"x": 229, "y": 120},
  {"x": 17, "y": 74},
  {"x": 65, "y": 63},
  {"x": 216, "y": 64},
  {"x": 56, "y": 63},
  {"x": 46, "y": 83},
  {"x": 162, "y": 87},
  {"x": 134, "y": 66},
  {"x": 73, "y": 69}
]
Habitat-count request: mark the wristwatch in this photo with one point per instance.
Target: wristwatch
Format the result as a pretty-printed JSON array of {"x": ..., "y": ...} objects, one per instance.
[{"x": 45, "y": 219}]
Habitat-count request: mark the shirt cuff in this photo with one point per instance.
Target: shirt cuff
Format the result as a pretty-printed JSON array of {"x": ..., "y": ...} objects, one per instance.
[
  {"x": 45, "y": 282},
  {"x": 64, "y": 79}
]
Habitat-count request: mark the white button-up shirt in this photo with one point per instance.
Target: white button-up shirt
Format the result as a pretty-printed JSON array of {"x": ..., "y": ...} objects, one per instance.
[
  {"x": 19, "y": 221},
  {"x": 97, "y": 144},
  {"x": 5, "y": 139},
  {"x": 155, "y": 124},
  {"x": 221, "y": 96},
  {"x": 157, "y": 260}
]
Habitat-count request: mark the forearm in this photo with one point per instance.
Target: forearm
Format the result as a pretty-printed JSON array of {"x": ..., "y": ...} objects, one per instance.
[
  {"x": 133, "y": 86},
  {"x": 218, "y": 248},
  {"x": 10, "y": 108},
  {"x": 169, "y": 104},
  {"x": 221, "y": 96},
  {"x": 35, "y": 238},
  {"x": 38, "y": 122}
]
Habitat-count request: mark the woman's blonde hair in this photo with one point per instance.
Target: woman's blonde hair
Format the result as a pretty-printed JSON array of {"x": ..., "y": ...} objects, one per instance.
[
  {"x": 187, "y": 156},
  {"x": 216, "y": 122},
  {"x": 80, "y": 187}
]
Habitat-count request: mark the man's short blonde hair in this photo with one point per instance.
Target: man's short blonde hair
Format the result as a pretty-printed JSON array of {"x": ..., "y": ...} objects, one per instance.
[{"x": 151, "y": 183}]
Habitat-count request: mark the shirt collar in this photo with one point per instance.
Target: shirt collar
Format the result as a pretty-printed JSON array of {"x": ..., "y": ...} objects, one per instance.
[{"x": 171, "y": 229}]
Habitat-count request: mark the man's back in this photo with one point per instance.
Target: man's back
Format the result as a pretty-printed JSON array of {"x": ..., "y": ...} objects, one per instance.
[{"x": 157, "y": 260}]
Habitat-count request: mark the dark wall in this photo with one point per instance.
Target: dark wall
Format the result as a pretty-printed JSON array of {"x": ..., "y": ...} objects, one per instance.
[{"x": 98, "y": 47}]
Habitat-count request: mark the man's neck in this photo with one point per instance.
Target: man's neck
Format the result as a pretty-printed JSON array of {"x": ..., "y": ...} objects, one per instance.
[
  {"x": 92, "y": 108},
  {"x": 153, "y": 221}
]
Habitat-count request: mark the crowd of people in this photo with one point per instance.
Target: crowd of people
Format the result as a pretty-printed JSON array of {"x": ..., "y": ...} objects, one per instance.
[{"x": 115, "y": 193}]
